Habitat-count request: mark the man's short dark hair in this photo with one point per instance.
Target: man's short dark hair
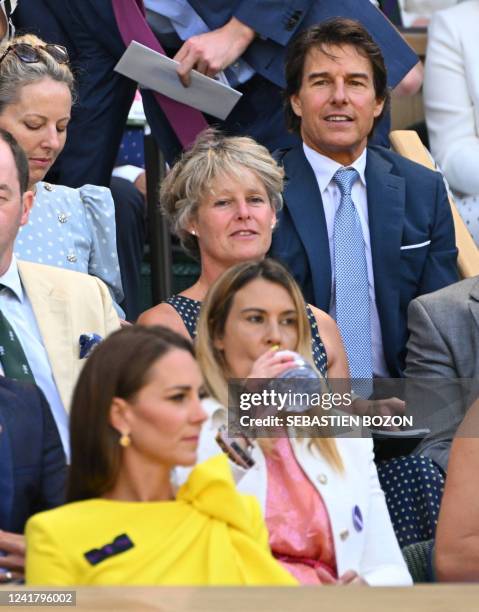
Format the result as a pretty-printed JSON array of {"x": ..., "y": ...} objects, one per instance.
[
  {"x": 19, "y": 158},
  {"x": 337, "y": 32}
]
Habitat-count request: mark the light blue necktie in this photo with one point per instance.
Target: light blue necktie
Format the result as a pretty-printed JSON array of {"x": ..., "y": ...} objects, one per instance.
[{"x": 352, "y": 287}]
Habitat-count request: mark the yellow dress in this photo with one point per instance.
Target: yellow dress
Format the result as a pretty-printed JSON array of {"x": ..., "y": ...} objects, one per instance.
[{"x": 209, "y": 535}]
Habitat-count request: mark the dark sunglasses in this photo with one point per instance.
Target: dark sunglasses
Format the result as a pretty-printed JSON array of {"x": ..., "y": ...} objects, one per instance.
[{"x": 30, "y": 54}]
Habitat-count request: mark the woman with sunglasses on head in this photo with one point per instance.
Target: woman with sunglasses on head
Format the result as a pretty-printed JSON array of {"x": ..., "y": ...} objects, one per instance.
[
  {"x": 221, "y": 200},
  {"x": 69, "y": 228},
  {"x": 322, "y": 502},
  {"x": 136, "y": 415}
]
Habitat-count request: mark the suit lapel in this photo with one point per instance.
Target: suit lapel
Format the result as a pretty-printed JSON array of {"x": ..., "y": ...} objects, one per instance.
[
  {"x": 52, "y": 312},
  {"x": 306, "y": 209},
  {"x": 386, "y": 202},
  {"x": 474, "y": 303}
]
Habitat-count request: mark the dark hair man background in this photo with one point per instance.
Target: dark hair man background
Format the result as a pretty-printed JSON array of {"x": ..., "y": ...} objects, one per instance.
[{"x": 363, "y": 230}]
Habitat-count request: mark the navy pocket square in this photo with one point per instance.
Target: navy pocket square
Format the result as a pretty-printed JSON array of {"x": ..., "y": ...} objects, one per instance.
[{"x": 88, "y": 343}]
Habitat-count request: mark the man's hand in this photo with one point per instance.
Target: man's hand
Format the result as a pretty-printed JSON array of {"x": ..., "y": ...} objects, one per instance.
[
  {"x": 391, "y": 406},
  {"x": 214, "y": 51},
  {"x": 140, "y": 183},
  {"x": 351, "y": 577},
  {"x": 12, "y": 545}
]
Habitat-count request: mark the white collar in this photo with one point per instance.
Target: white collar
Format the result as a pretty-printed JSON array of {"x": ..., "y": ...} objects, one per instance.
[
  {"x": 11, "y": 279},
  {"x": 325, "y": 168}
]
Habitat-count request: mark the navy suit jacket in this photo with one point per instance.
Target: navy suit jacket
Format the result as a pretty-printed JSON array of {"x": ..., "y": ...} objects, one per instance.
[
  {"x": 33, "y": 467},
  {"x": 407, "y": 206}
]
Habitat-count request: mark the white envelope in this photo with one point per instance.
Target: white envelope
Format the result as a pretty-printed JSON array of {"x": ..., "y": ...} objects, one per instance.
[{"x": 158, "y": 72}]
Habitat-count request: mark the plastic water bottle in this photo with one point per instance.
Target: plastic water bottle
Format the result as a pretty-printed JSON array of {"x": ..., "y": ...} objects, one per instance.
[
  {"x": 302, "y": 378},
  {"x": 302, "y": 369}
]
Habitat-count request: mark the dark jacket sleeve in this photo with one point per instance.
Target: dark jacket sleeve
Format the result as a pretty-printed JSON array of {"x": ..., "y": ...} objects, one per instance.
[{"x": 54, "y": 468}]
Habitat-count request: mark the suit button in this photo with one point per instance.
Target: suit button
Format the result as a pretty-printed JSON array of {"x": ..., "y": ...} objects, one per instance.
[
  {"x": 291, "y": 23},
  {"x": 344, "y": 534},
  {"x": 322, "y": 479},
  {"x": 72, "y": 258},
  {"x": 62, "y": 217}
]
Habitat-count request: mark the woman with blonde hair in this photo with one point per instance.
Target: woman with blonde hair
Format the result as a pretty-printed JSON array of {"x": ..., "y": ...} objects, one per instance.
[
  {"x": 322, "y": 502},
  {"x": 221, "y": 200},
  {"x": 69, "y": 228}
]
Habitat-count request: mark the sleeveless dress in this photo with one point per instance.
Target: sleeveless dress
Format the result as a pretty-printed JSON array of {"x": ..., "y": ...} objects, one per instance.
[{"x": 189, "y": 311}]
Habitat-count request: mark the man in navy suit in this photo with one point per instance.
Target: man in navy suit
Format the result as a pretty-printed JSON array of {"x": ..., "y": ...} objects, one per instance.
[
  {"x": 248, "y": 38},
  {"x": 33, "y": 466},
  {"x": 337, "y": 90}
]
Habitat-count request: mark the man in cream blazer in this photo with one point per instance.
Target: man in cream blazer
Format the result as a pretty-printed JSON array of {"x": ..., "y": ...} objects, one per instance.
[
  {"x": 44, "y": 310},
  {"x": 66, "y": 305}
]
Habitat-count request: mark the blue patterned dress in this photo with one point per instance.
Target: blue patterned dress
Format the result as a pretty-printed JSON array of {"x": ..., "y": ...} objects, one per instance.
[{"x": 73, "y": 229}]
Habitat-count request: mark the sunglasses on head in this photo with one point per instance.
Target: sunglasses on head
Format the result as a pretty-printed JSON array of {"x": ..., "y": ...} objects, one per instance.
[{"x": 29, "y": 54}]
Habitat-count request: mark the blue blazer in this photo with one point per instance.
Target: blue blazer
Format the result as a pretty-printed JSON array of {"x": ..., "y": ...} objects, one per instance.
[
  {"x": 407, "y": 206},
  {"x": 33, "y": 466}
]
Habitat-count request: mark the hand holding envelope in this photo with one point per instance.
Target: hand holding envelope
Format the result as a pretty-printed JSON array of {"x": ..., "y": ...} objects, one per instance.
[
  {"x": 212, "y": 52},
  {"x": 158, "y": 72}
]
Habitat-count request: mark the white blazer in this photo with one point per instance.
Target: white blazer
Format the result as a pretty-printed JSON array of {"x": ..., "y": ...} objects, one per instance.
[
  {"x": 414, "y": 9},
  {"x": 372, "y": 551},
  {"x": 451, "y": 94}
]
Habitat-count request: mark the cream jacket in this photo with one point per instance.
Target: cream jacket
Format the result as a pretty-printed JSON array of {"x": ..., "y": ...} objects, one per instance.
[
  {"x": 451, "y": 94},
  {"x": 67, "y": 304}
]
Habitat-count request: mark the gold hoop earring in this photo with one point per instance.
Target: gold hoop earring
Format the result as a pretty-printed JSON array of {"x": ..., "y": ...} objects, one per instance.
[{"x": 125, "y": 440}]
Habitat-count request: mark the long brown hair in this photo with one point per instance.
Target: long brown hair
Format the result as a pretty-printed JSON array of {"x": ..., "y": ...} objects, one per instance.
[
  {"x": 212, "y": 322},
  {"x": 118, "y": 367}
]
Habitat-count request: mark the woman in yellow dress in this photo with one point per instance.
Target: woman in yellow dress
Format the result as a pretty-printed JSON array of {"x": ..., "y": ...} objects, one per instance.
[{"x": 136, "y": 414}]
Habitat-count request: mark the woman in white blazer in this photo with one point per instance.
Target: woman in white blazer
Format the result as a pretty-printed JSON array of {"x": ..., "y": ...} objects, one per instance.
[
  {"x": 451, "y": 101},
  {"x": 417, "y": 13},
  {"x": 323, "y": 505}
]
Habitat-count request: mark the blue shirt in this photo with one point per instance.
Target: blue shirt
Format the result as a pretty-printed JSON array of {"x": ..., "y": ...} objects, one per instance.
[
  {"x": 16, "y": 307},
  {"x": 179, "y": 16}
]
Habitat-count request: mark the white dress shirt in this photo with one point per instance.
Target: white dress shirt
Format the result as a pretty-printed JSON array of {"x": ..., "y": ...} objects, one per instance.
[
  {"x": 16, "y": 307},
  {"x": 324, "y": 169}
]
